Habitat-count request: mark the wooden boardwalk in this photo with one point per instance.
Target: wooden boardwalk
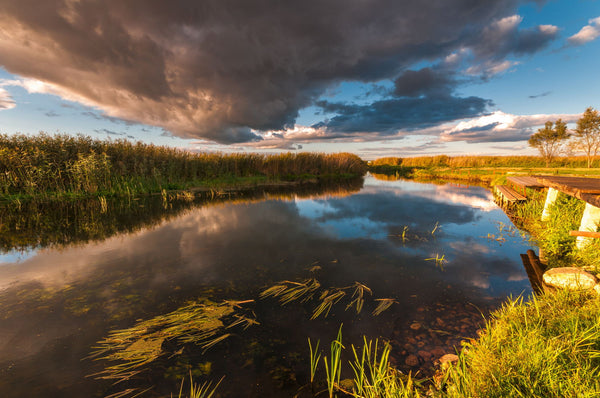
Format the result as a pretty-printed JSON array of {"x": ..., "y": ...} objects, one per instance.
[
  {"x": 508, "y": 195},
  {"x": 584, "y": 188}
]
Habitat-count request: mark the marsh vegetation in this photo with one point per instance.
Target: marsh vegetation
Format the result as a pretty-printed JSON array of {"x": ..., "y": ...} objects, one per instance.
[{"x": 46, "y": 166}]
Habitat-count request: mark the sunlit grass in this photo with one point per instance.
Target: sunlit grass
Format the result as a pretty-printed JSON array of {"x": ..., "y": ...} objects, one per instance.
[
  {"x": 373, "y": 375},
  {"x": 546, "y": 347},
  {"x": 44, "y": 166}
]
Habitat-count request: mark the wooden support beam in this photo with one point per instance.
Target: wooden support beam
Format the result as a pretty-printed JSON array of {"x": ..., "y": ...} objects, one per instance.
[{"x": 587, "y": 234}]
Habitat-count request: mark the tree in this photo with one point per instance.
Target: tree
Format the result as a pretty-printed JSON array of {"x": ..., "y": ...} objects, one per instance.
[
  {"x": 587, "y": 134},
  {"x": 548, "y": 140}
]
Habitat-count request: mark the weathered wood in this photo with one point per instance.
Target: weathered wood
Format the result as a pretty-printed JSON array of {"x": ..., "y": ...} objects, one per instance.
[
  {"x": 584, "y": 188},
  {"x": 509, "y": 195},
  {"x": 587, "y": 234},
  {"x": 525, "y": 181},
  {"x": 534, "y": 269}
]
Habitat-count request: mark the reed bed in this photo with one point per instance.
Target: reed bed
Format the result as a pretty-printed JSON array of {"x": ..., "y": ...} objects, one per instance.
[
  {"x": 480, "y": 161},
  {"x": 79, "y": 165}
]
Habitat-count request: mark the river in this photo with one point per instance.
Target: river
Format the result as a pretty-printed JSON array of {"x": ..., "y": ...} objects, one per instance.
[{"x": 442, "y": 256}]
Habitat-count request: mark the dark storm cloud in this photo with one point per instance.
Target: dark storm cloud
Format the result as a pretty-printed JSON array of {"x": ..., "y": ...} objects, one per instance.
[
  {"x": 387, "y": 116},
  {"x": 216, "y": 69},
  {"x": 424, "y": 82},
  {"x": 503, "y": 37}
]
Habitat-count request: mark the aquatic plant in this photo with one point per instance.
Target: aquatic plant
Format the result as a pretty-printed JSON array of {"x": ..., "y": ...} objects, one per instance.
[
  {"x": 374, "y": 377},
  {"x": 307, "y": 289},
  {"x": 201, "y": 324},
  {"x": 383, "y": 305},
  {"x": 439, "y": 261},
  {"x": 315, "y": 355},
  {"x": 333, "y": 367},
  {"x": 205, "y": 390}
]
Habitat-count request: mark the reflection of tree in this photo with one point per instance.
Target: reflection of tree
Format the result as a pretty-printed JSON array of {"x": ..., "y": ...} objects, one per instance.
[{"x": 57, "y": 223}]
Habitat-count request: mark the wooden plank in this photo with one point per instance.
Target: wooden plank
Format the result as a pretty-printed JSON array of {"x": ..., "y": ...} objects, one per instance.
[
  {"x": 508, "y": 194},
  {"x": 587, "y": 234},
  {"x": 525, "y": 181},
  {"x": 584, "y": 188},
  {"x": 571, "y": 185}
]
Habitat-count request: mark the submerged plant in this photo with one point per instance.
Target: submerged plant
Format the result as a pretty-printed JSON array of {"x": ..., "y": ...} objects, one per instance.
[
  {"x": 383, "y": 305},
  {"x": 204, "y": 325}
]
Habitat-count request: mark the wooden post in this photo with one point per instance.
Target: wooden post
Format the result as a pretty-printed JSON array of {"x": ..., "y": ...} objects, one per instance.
[
  {"x": 589, "y": 222},
  {"x": 550, "y": 199}
]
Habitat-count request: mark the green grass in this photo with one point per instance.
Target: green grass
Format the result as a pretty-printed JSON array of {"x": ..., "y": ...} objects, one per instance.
[
  {"x": 373, "y": 375},
  {"x": 552, "y": 236},
  {"x": 67, "y": 166},
  {"x": 546, "y": 347}
]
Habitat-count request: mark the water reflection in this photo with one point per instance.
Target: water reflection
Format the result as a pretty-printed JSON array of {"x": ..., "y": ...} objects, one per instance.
[{"x": 58, "y": 302}]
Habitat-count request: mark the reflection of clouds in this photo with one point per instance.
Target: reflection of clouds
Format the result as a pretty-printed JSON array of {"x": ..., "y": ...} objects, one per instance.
[
  {"x": 473, "y": 197},
  {"x": 54, "y": 268},
  {"x": 469, "y": 246},
  {"x": 15, "y": 256},
  {"x": 383, "y": 213},
  {"x": 244, "y": 247},
  {"x": 516, "y": 277}
]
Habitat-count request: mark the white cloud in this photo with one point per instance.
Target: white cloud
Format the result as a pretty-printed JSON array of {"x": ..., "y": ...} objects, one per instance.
[
  {"x": 587, "y": 33},
  {"x": 491, "y": 68},
  {"x": 548, "y": 29},
  {"x": 6, "y": 100},
  {"x": 499, "y": 127}
]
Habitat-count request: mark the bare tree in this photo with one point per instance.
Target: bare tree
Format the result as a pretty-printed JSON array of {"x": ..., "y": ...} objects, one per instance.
[
  {"x": 548, "y": 140},
  {"x": 587, "y": 134}
]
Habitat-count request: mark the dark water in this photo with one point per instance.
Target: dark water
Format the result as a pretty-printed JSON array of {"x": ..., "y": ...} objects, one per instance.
[{"x": 70, "y": 275}]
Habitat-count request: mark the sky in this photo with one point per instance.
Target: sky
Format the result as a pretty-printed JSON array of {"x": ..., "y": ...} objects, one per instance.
[{"x": 373, "y": 77}]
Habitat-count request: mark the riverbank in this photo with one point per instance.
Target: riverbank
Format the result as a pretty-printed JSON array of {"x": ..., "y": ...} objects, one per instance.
[
  {"x": 540, "y": 346},
  {"x": 65, "y": 167},
  {"x": 547, "y": 345}
]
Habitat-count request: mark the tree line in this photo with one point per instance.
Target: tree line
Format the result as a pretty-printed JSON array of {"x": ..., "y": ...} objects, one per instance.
[{"x": 555, "y": 138}]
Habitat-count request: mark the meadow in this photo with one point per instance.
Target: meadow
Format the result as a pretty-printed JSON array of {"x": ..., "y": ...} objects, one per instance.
[{"x": 79, "y": 166}]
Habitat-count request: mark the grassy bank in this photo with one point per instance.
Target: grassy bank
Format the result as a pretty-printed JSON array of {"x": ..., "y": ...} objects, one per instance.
[
  {"x": 67, "y": 166},
  {"x": 546, "y": 347},
  {"x": 491, "y": 170}
]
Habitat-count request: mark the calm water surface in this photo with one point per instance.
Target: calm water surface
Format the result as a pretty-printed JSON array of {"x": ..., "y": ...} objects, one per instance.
[{"x": 58, "y": 298}]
